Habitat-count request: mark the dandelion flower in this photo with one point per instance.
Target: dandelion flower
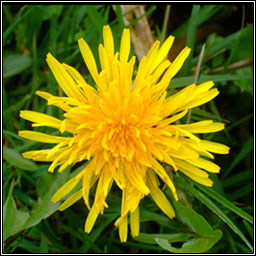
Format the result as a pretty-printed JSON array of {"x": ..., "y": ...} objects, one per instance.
[{"x": 125, "y": 128}]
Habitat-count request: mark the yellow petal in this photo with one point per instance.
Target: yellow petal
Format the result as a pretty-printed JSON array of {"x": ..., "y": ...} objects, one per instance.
[
  {"x": 214, "y": 147},
  {"x": 88, "y": 59},
  {"x": 64, "y": 190},
  {"x": 202, "y": 99},
  {"x": 201, "y": 88},
  {"x": 38, "y": 155},
  {"x": 159, "y": 197},
  {"x": 64, "y": 79},
  {"x": 165, "y": 177},
  {"x": 125, "y": 46},
  {"x": 41, "y": 137},
  {"x": 202, "y": 127},
  {"x": 162, "y": 53},
  {"x": 178, "y": 62},
  {"x": 135, "y": 222},
  {"x": 41, "y": 119},
  {"x": 172, "y": 119},
  {"x": 135, "y": 177},
  {"x": 78, "y": 78},
  {"x": 205, "y": 164},
  {"x": 44, "y": 95},
  {"x": 183, "y": 165},
  {"x": 108, "y": 40},
  {"x": 71, "y": 200},
  {"x": 103, "y": 58},
  {"x": 90, "y": 220},
  {"x": 204, "y": 181},
  {"x": 123, "y": 229}
]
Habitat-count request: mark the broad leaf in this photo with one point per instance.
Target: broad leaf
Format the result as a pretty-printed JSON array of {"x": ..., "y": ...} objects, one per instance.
[
  {"x": 15, "y": 158},
  {"x": 194, "y": 245}
]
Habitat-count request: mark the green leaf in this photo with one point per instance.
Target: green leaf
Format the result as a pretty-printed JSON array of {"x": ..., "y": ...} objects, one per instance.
[
  {"x": 194, "y": 245},
  {"x": 17, "y": 220},
  {"x": 13, "y": 219},
  {"x": 246, "y": 85},
  {"x": 14, "y": 158},
  {"x": 15, "y": 64},
  {"x": 52, "y": 11},
  {"x": 43, "y": 246},
  {"x": 192, "y": 219},
  {"x": 249, "y": 228},
  {"x": 213, "y": 207},
  {"x": 235, "y": 46},
  {"x": 45, "y": 207},
  {"x": 10, "y": 29},
  {"x": 239, "y": 177},
  {"x": 172, "y": 238},
  {"x": 213, "y": 194},
  {"x": 21, "y": 219},
  {"x": 245, "y": 44},
  {"x": 95, "y": 17},
  {"x": 120, "y": 17},
  {"x": 191, "y": 36},
  {"x": 205, "y": 13},
  {"x": 9, "y": 214},
  {"x": 160, "y": 219}
]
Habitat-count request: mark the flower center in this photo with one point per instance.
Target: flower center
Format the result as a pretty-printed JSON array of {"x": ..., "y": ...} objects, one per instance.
[{"x": 120, "y": 136}]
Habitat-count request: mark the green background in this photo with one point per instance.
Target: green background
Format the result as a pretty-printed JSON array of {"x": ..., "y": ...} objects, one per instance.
[{"x": 217, "y": 220}]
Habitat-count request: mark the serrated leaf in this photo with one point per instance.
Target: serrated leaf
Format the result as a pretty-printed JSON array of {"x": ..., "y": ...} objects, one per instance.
[
  {"x": 9, "y": 214},
  {"x": 17, "y": 220},
  {"x": 15, "y": 158},
  {"x": 45, "y": 207},
  {"x": 194, "y": 245}
]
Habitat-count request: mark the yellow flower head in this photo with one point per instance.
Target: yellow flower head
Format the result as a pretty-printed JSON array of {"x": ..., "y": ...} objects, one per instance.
[{"x": 125, "y": 128}]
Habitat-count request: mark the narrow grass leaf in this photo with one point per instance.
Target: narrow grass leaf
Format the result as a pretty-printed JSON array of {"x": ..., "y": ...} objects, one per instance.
[
  {"x": 191, "y": 36},
  {"x": 246, "y": 149},
  {"x": 206, "y": 12},
  {"x": 10, "y": 29},
  {"x": 219, "y": 198},
  {"x": 249, "y": 228},
  {"x": 238, "y": 178},
  {"x": 95, "y": 17},
  {"x": 235, "y": 45},
  {"x": 120, "y": 17}
]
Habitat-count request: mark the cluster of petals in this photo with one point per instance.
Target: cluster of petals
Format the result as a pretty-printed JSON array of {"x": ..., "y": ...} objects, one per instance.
[{"x": 125, "y": 127}]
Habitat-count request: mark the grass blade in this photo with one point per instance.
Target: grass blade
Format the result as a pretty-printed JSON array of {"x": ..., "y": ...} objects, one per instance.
[
  {"x": 225, "y": 202},
  {"x": 246, "y": 149}
]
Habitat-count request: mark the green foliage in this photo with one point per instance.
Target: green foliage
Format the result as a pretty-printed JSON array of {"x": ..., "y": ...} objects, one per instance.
[{"x": 212, "y": 220}]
